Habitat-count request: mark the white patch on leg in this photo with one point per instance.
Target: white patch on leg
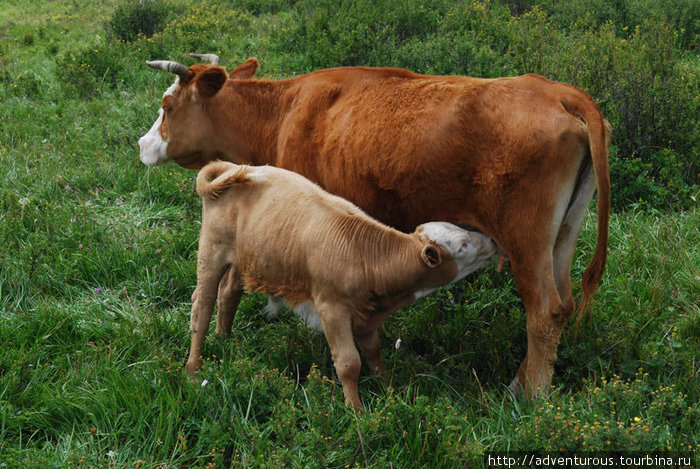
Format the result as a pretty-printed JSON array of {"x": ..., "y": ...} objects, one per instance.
[
  {"x": 308, "y": 314},
  {"x": 423, "y": 292},
  {"x": 152, "y": 147},
  {"x": 272, "y": 308}
]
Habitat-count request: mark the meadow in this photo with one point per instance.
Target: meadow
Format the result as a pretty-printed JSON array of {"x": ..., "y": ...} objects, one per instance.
[{"x": 98, "y": 252}]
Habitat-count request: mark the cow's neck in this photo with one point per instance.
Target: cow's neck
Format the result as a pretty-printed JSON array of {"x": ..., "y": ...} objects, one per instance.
[{"x": 253, "y": 109}]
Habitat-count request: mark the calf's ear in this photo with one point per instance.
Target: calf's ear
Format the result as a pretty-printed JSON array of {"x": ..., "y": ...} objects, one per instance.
[
  {"x": 245, "y": 71},
  {"x": 431, "y": 256},
  {"x": 210, "y": 81}
]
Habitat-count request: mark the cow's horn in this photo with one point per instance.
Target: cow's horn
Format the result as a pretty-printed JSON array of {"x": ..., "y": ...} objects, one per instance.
[
  {"x": 170, "y": 66},
  {"x": 211, "y": 58}
]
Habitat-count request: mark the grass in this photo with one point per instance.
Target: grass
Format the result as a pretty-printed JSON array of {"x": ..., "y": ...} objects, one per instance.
[{"x": 98, "y": 264}]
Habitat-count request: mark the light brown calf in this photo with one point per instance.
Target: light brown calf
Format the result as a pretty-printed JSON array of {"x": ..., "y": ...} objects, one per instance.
[{"x": 272, "y": 231}]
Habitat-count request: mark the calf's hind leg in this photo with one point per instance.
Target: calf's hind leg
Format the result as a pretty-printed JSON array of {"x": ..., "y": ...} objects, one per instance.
[
  {"x": 230, "y": 293},
  {"x": 209, "y": 275}
]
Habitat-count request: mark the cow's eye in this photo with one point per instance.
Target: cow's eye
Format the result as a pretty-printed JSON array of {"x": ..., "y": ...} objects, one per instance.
[{"x": 168, "y": 104}]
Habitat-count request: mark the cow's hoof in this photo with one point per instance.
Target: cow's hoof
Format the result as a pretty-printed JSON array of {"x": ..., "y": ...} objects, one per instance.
[{"x": 516, "y": 388}]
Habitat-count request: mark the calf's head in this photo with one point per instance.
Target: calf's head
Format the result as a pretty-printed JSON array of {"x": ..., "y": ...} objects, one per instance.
[
  {"x": 184, "y": 131},
  {"x": 470, "y": 250}
]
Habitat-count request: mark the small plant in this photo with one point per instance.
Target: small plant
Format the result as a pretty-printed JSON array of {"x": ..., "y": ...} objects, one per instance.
[
  {"x": 617, "y": 414},
  {"x": 136, "y": 18},
  {"x": 259, "y": 7},
  {"x": 84, "y": 71}
]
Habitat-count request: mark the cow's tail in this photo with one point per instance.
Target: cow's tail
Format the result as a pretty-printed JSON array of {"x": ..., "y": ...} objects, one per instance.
[
  {"x": 217, "y": 177},
  {"x": 582, "y": 106}
]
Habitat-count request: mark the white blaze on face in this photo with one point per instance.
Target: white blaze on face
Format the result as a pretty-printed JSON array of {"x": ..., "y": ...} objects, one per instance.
[
  {"x": 152, "y": 147},
  {"x": 469, "y": 249}
]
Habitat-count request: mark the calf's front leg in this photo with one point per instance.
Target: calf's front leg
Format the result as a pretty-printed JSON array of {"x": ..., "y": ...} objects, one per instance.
[
  {"x": 371, "y": 350},
  {"x": 337, "y": 326}
]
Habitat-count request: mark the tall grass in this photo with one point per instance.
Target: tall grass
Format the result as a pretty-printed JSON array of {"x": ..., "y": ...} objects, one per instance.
[{"x": 97, "y": 266}]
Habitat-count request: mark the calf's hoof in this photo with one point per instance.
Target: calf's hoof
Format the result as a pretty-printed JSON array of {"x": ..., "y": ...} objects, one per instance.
[{"x": 355, "y": 402}]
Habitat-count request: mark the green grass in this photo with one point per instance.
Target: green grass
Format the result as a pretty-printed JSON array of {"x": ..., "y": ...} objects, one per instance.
[{"x": 97, "y": 267}]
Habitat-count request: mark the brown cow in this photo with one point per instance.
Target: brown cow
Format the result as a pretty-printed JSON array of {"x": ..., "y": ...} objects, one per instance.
[
  {"x": 518, "y": 158},
  {"x": 276, "y": 232}
]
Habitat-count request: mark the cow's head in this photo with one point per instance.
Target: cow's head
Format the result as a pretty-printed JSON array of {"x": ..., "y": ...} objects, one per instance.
[{"x": 184, "y": 131}]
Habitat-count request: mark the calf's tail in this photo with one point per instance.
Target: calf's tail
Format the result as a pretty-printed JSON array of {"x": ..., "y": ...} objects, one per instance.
[{"x": 217, "y": 177}]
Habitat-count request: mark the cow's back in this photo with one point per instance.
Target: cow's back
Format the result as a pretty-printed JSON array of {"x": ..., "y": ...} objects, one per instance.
[{"x": 409, "y": 149}]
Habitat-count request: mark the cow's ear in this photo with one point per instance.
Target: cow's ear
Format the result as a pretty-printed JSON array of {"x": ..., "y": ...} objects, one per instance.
[
  {"x": 210, "y": 81},
  {"x": 245, "y": 71},
  {"x": 431, "y": 256}
]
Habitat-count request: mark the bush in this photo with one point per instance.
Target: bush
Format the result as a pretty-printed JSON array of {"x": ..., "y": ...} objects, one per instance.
[
  {"x": 85, "y": 71},
  {"x": 444, "y": 38},
  {"x": 259, "y": 7},
  {"x": 626, "y": 15},
  {"x": 619, "y": 414},
  {"x": 659, "y": 180},
  {"x": 640, "y": 86},
  {"x": 201, "y": 29},
  {"x": 136, "y": 18}
]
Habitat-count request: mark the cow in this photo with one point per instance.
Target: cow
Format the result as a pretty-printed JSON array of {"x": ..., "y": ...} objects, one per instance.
[
  {"x": 273, "y": 231},
  {"x": 517, "y": 158}
]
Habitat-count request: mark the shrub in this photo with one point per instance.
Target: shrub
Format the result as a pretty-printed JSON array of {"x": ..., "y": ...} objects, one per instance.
[
  {"x": 358, "y": 32},
  {"x": 26, "y": 84},
  {"x": 134, "y": 18},
  {"x": 203, "y": 29},
  {"x": 659, "y": 180},
  {"x": 258, "y": 7},
  {"x": 617, "y": 414},
  {"x": 682, "y": 15},
  {"x": 443, "y": 38},
  {"x": 640, "y": 86},
  {"x": 84, "y": 72}
]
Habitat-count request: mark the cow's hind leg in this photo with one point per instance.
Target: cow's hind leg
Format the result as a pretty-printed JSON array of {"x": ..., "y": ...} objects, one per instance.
[
  {"x": 565, "y": 243},
  {"x": 230, "y": 293},
  {"x": 546, "y": 316}
]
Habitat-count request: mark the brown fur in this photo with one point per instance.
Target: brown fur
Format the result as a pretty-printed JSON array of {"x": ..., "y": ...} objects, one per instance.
[
  {"x": 272, "y": 231},
  {"x": 518, "y": 158}
]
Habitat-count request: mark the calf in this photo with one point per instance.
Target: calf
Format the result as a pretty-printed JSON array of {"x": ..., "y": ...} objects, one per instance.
[{"x": 273, "y": 231}]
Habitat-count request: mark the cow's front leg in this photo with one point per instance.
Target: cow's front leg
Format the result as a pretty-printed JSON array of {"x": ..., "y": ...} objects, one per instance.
[{"x": 337, "y": 326}]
